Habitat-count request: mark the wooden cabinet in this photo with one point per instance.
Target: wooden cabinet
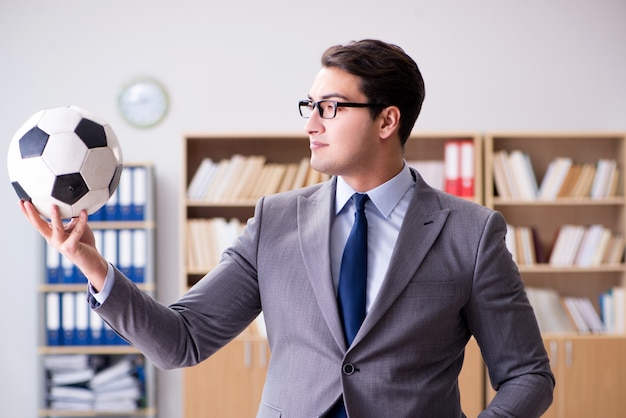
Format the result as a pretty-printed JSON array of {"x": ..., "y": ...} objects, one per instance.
[
  {"x": 230, "y": 382},
  {"x": 589, "y": 373},
  {"x": 472, "y": 380}
]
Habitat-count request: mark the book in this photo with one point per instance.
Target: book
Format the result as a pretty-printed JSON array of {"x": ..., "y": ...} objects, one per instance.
[
  {"x": 524, "y": 175},
  {"x": 554, "y": 178},
  {"x": 251, "y": 171},
  {"x": 575, "y": 315},
  {"x": 582, "y": 187},
  {"x": 547, "y": 306},
  {"x": 569, "y": 181},
  {"x": 589, "y": 243},
  {"x": 288, "y": 179},
  {"x": 501, "y": 182},
  {"x": 200, "y": 180},
  {"x": 301, "y": 173},
  {"x": 510, "y": 241},
  {"x": 452, "y": 163},
  {"x": 509, "y": 174},
  {"x": 603, "y": 178},
  {"x": 430, "y": 170},
  {"x": 467, "y": 169}
]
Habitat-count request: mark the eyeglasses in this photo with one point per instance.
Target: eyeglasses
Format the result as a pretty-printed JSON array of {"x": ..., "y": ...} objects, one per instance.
[{"x": 328, "y": 108}]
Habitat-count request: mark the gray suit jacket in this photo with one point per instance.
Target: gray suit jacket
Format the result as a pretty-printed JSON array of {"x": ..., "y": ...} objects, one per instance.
[{"x": 450, "y": 277}]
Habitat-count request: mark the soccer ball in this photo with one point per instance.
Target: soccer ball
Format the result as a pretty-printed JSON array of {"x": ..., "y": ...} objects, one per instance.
[{"x": 65, "y": 156}]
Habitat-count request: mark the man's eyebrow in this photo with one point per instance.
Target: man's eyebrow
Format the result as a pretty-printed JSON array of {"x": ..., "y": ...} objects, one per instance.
[{"x": 330, "y": 96}]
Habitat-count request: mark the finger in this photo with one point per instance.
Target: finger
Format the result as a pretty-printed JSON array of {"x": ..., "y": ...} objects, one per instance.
[
  {"x": 78, "y": 226},
  {"x": 29, "y": 210},
  {"x": 58, "y": 229}
]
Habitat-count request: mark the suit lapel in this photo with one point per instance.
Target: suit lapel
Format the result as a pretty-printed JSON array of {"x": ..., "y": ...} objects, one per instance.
[
  {"x": 421, "y": 227},
  {"x": 314, "y": 217}
]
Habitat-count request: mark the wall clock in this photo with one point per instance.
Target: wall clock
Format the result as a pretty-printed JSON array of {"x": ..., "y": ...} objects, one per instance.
[{"x": 143, "y": 102}]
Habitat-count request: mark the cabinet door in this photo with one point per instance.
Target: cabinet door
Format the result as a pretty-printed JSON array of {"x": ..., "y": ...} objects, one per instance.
[
  {"x": 555, "y": 352},
  {"x": 229, "y": 383},
  {"x": 472, "y": 380},
  {"x": 592, "y": 376}
]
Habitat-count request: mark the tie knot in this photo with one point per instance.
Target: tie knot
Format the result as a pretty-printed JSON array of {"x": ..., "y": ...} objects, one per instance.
[{"x": 359, "y": 200}]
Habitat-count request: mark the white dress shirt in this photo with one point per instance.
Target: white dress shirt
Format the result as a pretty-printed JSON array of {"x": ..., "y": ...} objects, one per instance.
[{"x": 385, "y": 211}]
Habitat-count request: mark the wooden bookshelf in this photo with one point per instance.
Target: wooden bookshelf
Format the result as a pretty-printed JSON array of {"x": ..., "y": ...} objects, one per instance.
[
  {"x": 104, "y": 350},
  {"x": 245, "y": 359},
  {"x": 583, "y": 385}
]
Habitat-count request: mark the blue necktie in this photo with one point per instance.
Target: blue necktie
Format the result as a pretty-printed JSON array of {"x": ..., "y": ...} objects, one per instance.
[{"x": 353, "y": 273}]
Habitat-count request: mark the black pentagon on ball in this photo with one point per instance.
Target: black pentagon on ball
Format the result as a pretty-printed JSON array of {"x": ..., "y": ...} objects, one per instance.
[
  {"x": 21, "y": 193},
  {"x": 91, "y": 133},
  {"x": 33, "y": 142},
  {"x": 69, "y": 188}
]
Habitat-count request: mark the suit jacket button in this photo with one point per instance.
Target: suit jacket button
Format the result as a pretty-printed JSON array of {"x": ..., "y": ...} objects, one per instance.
[{"x": 348, "y": 369}]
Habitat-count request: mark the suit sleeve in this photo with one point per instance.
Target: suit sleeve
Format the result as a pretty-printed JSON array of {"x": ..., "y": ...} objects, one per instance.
[
  {"x": 212, "y": 313},
  {"x": 505, "y": 327}
]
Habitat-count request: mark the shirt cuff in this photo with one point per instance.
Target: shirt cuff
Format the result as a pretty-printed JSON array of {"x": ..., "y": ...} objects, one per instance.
[{"x": 101, "y": 296}]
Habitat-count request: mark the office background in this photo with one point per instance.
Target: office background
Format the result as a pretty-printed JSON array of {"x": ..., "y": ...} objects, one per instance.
[{"x": 489, "y": 65}]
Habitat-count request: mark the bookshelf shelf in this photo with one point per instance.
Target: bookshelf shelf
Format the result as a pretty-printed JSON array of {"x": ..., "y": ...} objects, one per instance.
[
  {"x": 43, "y": 288},
  {"x": 89, "y": 349},
  {"x": 147, "y": 412},
  {"x": 561, "y": 202},
  {"x": 74, "y": 340}
]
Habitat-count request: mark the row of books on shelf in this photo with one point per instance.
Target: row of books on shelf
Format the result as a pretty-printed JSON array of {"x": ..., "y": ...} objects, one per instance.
[
  {"x": 99, "y": 383},
  {"x": 566, "y": 314},
  {"x": 70, "y": 322},
  {"x": 575, "y": 245},
  {"x": 127, "y": 249},
  {"x": 128, "y": 202},
  {"x": 248, "y": 178},
  {"x": 515, "y": 178},
  {"x": 207, "y": 239}
]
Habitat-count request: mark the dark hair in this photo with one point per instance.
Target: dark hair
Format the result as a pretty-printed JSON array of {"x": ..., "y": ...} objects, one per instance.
[{"x": 388, "y": 76}]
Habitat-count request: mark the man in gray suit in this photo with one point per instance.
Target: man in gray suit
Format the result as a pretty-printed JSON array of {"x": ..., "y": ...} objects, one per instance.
[{"x": 437, "y": 272}]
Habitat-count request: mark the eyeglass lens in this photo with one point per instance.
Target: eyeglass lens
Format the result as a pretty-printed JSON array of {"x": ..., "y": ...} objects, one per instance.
[{"x": 326, "y": 108}]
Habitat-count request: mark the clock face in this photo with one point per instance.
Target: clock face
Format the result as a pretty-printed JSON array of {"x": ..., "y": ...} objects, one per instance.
[{"x": 143, "y": 103}]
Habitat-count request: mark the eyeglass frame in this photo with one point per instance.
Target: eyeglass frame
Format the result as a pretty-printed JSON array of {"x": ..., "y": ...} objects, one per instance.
[{"x": 308, "y": 102}]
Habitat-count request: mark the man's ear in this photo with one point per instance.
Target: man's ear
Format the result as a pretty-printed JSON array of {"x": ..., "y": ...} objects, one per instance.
[{"x": 389, "y": 121}]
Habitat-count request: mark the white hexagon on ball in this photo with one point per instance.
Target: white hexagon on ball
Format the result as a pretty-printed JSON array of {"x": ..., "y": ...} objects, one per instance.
[{"x": 65, "y": 153}]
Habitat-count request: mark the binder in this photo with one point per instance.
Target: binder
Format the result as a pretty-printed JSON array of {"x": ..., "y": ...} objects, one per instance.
[
  {"x": 68, "y": 270},
  {"x": 96, "y": 329},
  {"x": 82, "y": 319},
  {"x": 125, "y": 195},
  {"x": 68, "y": 318},
  {"x": 452, "y": 179},
  {"x": 111, "y": 207},
  {"x": 466, "y": 169},
  {"x": 53, "y": 265},
  {"x": 140, "y": 192},
  {"x": 111, "y": 337},
  {"x": 140, "y": 255},
  {"x": 125, "y": 256},
  {"x": 53, "y": 318},
  {"x": 109, "y": 246}
]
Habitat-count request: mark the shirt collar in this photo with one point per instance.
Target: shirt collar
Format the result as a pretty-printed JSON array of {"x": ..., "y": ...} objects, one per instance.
[{"x": 385, "y": 197}]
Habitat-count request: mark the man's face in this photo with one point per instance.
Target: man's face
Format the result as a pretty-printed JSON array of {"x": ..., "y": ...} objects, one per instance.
[{"x": 346, "y": 144}]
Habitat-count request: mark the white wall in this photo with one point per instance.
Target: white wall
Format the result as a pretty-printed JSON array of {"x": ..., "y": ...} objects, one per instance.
[{"x": 241, "y": 65}]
